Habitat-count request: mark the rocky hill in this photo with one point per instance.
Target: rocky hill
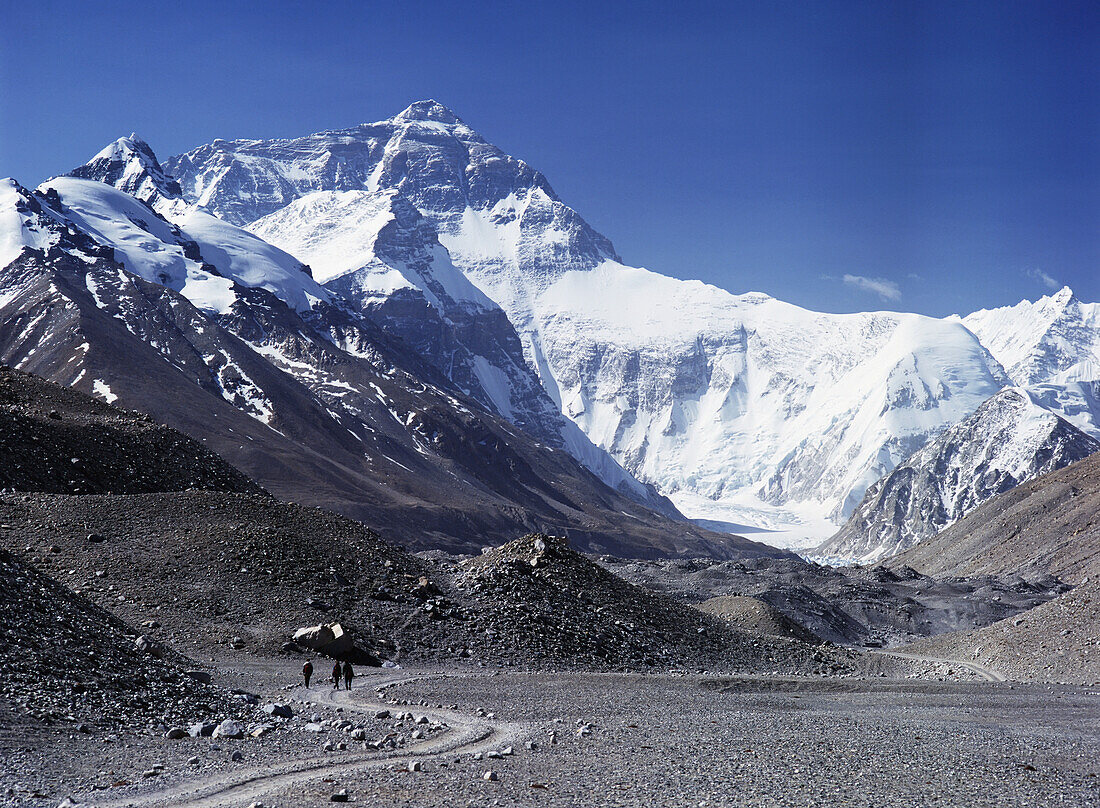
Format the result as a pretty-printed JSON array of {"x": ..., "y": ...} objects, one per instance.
[
  {"x": 59, "y": 440},
  {"x": 1048, "y": 525},
  {"x": 66, "y": 659}
]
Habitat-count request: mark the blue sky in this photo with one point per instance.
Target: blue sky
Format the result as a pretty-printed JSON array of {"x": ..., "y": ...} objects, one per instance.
[{"x": 922, "y": 156}]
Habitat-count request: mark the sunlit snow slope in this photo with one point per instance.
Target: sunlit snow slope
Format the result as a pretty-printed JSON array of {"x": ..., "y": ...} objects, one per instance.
[{"x": 743, "y": 409}]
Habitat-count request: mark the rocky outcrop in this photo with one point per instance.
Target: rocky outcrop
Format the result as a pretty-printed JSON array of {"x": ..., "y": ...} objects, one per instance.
[{"x": 1009, "y": 440}]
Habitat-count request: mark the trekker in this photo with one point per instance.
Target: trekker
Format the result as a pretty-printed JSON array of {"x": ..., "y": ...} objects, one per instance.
[
  {"x": 348, "y": 675},
  {"x": 307, "y": 671},
  {"x": 336, "y": 676}
]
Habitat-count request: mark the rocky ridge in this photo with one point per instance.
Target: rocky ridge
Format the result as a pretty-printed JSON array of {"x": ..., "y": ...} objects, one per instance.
[{"x": 1007, "y": 441}]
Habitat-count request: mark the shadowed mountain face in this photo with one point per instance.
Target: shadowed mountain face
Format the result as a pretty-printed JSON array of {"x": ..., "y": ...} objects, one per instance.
[{"x": 317, "y": 403}]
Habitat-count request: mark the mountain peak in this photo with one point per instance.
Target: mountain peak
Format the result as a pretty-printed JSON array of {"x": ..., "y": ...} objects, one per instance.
[
  {"x": 1063, "y": 296},
  {"x": 428, "y": 110},
  {"x": 130, "y": 165}
]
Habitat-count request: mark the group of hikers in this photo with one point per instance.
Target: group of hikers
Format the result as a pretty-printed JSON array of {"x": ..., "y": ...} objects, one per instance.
[{"x": 339, "y": 671}]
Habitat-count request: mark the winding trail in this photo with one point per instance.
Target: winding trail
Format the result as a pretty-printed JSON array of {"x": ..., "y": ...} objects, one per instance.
[
  {"x": 988, "y": 674},
  {"x": 465, "y": 734}
]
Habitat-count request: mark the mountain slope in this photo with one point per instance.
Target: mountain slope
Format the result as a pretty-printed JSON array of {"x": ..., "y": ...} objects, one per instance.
[
  {"x": 317, "y": 405},
  {"x": 1056, "y": 339},
  {"x": 1008, "y": 440},
  {"x": 735, "y": 406},
  {"x": 1047, "y": 524}
]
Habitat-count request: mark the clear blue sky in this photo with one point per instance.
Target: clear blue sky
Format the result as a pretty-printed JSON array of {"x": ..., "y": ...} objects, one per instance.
[{"x": 949, "y": 149}]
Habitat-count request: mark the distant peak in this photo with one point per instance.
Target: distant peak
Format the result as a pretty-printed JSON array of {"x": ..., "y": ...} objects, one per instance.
[
  {"x": 429, "y": 110},
  {"x": 1062, "y": 296},
  {"x": 130, "y": 165}
]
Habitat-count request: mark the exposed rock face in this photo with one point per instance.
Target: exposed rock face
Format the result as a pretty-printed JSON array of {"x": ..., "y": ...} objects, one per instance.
[
  {"x": 1047, "y": 524},
  {"x": 1007, "y": 441}
]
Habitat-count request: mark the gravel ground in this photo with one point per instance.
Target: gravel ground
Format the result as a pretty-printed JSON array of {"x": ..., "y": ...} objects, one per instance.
[{"x": 651, "y": 740}]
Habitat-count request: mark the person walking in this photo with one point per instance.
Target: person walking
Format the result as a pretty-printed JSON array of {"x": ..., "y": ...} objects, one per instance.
[
  {"x": 307, "y": 671},
  {"x": 349, "y": 674},
  {"x": 336, "y": 676}
]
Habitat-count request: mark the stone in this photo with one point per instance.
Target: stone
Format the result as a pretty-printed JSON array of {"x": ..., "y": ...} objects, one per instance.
[
  {"x": 228, "y": 729},
  {"x": 328, "y": 638},
  {"x": 150, "y": 773},
  {"x": 313, "y": 726},
  {"x": 414, "y": 766},
  {"x": 339, "y": 796},
  {"x": 382, "y": 714},
  {"x": 278, "y": 710},
  {"x": 146, "y": 645},
  {"x": 193, "y": 761},
  {"x": 491, "y": 776},
  {"x": 236, "y": 757},
  {"x": 176, "y": 733},
  {"x": 203, "y": 729},
  {"x": 198, "y": 676},
  {"x": 236, "y": 642}
]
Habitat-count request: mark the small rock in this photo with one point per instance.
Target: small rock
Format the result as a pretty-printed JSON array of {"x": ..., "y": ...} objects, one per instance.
[
  {"x": 339, "y": 796},
  {"x": 236, "y": 757},
  {"x": 490, "y": 775},
  {"x": 146, "y": 645},
  {"x": 193, "y": 761},
  {"x": 176, "y": 733},
  {"x": 198, "y": 676},
  {"x": 236, "y": 642},
  {"x": 414, "y": 766},
  {"x": 150, "y": 773},
  {"x": 382, "y": 714},
  {"x": 203, "y": 729}
]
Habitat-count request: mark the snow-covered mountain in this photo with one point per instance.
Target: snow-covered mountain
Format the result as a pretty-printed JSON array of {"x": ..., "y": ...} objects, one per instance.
[
  {"x": 740, "y": 407},
  {"x": 1054, "y": 340},
  {"x": 1010, "y": 439},
  {"x": 228, "y": 338}
]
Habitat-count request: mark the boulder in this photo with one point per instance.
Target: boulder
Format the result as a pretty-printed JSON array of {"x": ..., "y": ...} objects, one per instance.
[
  {"x": 202, "y": 730},
  {"x": 228, "y": 729},
  {"x": 328, "y": 638},
  {"x": 278, "y": 710}
]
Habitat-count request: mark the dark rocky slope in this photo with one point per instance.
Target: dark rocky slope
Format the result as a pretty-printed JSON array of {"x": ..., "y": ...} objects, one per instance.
[
  {"x": 65, "y": 658},
  {"x": 1047, "y": 525},
  {"x": 58, "y": 440}
]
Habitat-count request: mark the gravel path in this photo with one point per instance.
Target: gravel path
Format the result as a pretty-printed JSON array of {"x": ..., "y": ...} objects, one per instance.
[{"x": 668, "y": 740}]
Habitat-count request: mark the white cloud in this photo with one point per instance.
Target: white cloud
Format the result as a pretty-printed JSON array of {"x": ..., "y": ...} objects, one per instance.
[
  {"x": 887, "y": 290},
  {"x": 1043, "y": 278}
]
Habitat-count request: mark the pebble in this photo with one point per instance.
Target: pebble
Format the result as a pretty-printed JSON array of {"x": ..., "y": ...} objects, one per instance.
[{"x": 490, "y": 775}]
